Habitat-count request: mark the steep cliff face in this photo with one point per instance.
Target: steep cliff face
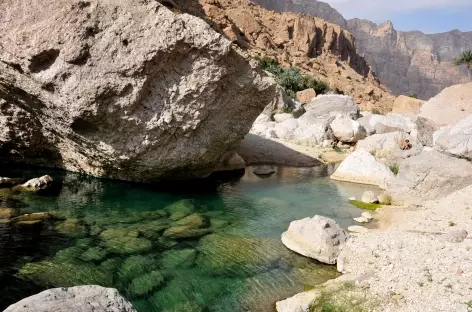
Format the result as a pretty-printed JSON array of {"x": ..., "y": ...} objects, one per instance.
[
  {"x": 314, "y": 8},
  {"x": 411, "y": 62},
  {"x": 122, "y": 89},
  {"x": 315, "y": 46},
  {"x": 406, "y": 62}
]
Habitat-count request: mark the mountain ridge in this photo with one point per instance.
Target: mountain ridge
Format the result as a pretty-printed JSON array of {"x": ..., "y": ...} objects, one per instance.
[{"x": 407, "y": 62}]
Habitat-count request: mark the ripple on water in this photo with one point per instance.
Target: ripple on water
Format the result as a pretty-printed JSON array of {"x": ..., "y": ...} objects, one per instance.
[{"x": 214, "y": 246}]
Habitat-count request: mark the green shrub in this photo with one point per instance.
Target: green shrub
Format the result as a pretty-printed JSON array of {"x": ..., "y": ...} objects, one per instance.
[
  {"x": 291, "y": 79},
  {"x": 395, "y": 168},
  {"x": 364, "y": 206}
]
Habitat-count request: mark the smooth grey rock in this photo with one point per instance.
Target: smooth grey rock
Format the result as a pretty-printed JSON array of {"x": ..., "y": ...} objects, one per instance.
[
  {"x": 332, "y": 105},
  {"x": 318, "y": 238},
  {"x": 455, "y": 140},
  {"x": 362, "y": 167},
  {"x": 347, "y": 130},
  {"x": 369, "y": 197},
  {"x": 74, "y": 299},
  {"x": 122, "y": 89},
  {"x": 428, "y": 176}
]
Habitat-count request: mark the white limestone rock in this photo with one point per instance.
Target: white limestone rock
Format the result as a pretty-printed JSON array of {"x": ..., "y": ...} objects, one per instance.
[
  {"x": 455, "y": 140},
  {"x": 318, "y": 238},
  {"x": 347, "y": 130},
  {"x": 369, "y": 197},
  {"x": 362, "y": 167},
  {"x": 74, "y": 299}
]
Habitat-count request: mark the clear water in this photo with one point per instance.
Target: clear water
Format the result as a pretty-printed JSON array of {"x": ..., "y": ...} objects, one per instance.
[{"x": 212, "y": 245}]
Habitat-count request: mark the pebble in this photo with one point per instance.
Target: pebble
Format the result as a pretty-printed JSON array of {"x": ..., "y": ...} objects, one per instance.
[
  {"x": 456, "y": 236},
  {"x": 367, "y": 215},
  {"x": 357, "y": 229},
  {"x": 361, "y": 220}
]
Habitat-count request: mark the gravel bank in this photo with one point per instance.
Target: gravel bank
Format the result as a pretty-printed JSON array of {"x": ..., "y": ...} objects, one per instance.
[{"x": 420, "y": 258}]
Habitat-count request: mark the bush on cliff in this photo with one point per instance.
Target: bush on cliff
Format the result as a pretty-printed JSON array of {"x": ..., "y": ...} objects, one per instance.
[{"x": 291, "y": 79}]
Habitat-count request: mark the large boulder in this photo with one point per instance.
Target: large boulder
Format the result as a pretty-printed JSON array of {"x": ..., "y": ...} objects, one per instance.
[
  {"x": 426, "y": 129},
  {"x": 428, "y": 176},
  {"x": 333, "y": 104},
  {"x": 362, "y": 167},
  {"x": 347, "y": 130},
  {"x": 449, "y": 106},
  {"x": 407, "y": 105},
  {"x": 36, "y": 184},
  {"x": 74, "y": 299},
  {"x": 122, "y": 89},
  {"x": 387, "y": 146},
  {"x": 318, "y": 238},
  {"x": 455, "y": 140},
  {"x": 371, "y": 122}
]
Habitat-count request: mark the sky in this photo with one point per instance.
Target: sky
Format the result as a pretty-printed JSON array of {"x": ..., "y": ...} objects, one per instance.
[{"x": 430, "y": 16}]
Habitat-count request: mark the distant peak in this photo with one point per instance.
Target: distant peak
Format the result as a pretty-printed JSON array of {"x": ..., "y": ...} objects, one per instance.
[{"x": 387, "y": 24}]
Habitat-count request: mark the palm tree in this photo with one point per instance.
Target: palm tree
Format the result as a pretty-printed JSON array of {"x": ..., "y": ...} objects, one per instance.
[{"x": 465, "y": 59}]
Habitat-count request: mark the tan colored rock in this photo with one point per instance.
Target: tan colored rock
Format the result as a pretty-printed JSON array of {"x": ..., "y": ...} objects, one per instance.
[
  {"x": 407, "y": 105},
  {"x": 449, "y": 106},
  {"x": 306, "y": 96},
  {"x": 318, "y": 48},
  {"x": 123, "y": 89}
]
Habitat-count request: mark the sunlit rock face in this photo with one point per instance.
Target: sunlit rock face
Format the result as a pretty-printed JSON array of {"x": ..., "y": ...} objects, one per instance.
[{"x": 129, "y": 90}]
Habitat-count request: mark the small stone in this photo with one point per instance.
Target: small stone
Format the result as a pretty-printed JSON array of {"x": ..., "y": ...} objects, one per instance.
[
  {"x": 456, "y": 236},
  {"x": 384, "y": 198},
  {"x": 367, "y": 215},
  {"x": 352, "y": 198},
  {"x": 327, "y": 143},
  {"x": 361, "y": 220},
  {"x": 357, "y": 229},
  {"x": 369, "y": 197}
]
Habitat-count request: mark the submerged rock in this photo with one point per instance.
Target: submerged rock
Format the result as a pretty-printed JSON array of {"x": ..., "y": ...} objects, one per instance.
[
  {"x": 8, "y": 213},
  {"x": 136, "y": 266},
  {"x": 124, "y": 241},
  {"x": 145, "y": 284},
  {"x": 186, "y": 206},
  {"x": 72, "y": 227},
  {"x": 235, "y": 256},
  {"x": 65, "y": 274},
  {"x": 319, "y": 238},
  {"x": 178, "y": 259},
  {"x": 181, "y": 94},
  {"x": 185, "y": 231},
  {"x": 38, "y": 216},
  {"x": 95, "y": 254}
]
